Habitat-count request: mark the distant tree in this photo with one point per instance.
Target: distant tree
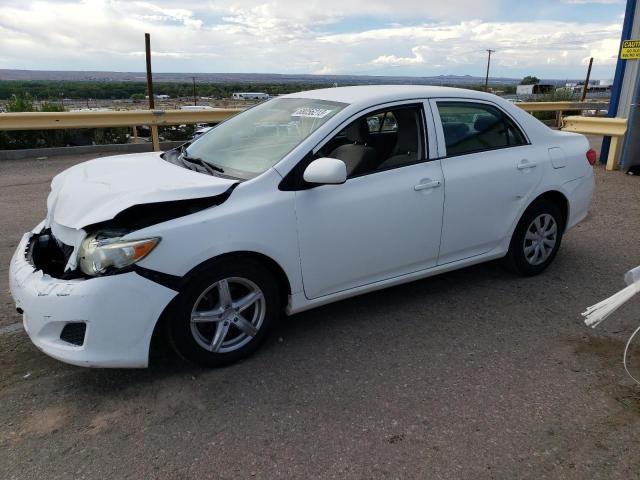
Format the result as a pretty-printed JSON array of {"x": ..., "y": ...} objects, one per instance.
[
  {"x": 137, "y": 96},
  {"x": 530, "y": 80},
  {"x": 51, "y": 107},
  {"x": 23, "y": 102}
]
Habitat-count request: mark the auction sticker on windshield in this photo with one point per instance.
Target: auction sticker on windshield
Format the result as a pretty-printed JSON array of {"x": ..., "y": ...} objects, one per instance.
[{"x": 310, "y": 112}]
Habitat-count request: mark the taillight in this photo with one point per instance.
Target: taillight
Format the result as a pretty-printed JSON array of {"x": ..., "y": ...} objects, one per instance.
[{"x": 592, "y": 157}]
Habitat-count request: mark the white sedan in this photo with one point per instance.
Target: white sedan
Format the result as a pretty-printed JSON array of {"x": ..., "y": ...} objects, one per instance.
[{"x": 300, "y": 201}]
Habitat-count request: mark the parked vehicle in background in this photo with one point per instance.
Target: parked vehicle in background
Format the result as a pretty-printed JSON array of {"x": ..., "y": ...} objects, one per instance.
[
  {"x": 196, "y": 107},
  {"x": 534, "y": 89},
  {"x": 250, "y": 96},
  {"x": 301, "y": 201},
  {"x": 199, "y": 132}
]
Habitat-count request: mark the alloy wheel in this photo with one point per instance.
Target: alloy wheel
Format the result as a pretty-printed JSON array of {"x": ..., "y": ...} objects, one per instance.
[{"x": 228, "y": 314}]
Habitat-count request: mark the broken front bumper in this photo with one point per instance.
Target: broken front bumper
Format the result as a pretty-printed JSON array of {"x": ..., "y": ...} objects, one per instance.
[{"x": 119, "y": 313}]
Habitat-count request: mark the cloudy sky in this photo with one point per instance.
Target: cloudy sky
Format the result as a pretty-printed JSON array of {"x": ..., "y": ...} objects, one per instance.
[{"x": 547, "y": 38}]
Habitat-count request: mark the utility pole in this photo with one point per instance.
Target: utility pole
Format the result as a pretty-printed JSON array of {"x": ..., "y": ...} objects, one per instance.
[
  {"x": 486, "y": 78},
  {"x": 147, "y": 46},
  {"x": 155, "y": 138},
  {"x": 194, "y": 91},
  {"x": 586, "y": 82}
]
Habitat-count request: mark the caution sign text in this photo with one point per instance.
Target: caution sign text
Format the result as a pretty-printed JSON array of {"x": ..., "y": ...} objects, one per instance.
[{"x": 630, "y": 50}]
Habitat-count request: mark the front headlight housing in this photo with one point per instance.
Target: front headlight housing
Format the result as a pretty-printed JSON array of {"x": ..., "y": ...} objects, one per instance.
[{"x": 102, "y": 253}]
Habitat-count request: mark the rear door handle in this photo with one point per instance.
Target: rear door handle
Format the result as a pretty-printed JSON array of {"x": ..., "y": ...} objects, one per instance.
[
  {"x": 427, "y": 185},
  {"x": 524, "y": 164}
]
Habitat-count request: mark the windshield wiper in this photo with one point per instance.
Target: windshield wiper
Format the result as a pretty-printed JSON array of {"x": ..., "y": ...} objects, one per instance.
[{"x": 206, "y": 165}]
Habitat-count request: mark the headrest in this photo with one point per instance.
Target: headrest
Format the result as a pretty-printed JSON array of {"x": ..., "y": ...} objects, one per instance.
[
  {"x": 407, "y": 131},
  {"x": 485, "y": 122},
  {"x": 357, "y": 132},
  {"x": 455, "y": 131}
]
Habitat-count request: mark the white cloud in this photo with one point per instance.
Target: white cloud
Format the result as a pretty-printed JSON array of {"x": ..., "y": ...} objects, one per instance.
[
  {"x": 322, "y": 11},
  {"x": 156, "y": 13},
  {"x": 293, "y": 36},
  {"x": 176, "y": 55},
  {"x": 604, "y": 51},
  {"x": 325, "y": 70},
  {"x": 518, "y": 45},
  {"x": 393, "y": 60},
  {"x": 603, "y": 2}
]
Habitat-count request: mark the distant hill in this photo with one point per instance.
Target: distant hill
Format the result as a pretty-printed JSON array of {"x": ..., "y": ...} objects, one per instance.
[{"x": 249, "y": 78}]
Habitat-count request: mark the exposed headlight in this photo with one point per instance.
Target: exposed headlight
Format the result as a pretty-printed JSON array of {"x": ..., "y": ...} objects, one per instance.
[{"x": 100, "y": 252}]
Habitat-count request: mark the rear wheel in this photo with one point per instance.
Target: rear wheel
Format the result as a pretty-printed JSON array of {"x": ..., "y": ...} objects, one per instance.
[
  {"x": 536, "y": 239},
  {"x": 224, "y": 313}
]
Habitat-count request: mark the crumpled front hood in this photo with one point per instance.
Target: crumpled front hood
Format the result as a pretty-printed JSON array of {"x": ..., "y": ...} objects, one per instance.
[{"x": 97, "y": 190}]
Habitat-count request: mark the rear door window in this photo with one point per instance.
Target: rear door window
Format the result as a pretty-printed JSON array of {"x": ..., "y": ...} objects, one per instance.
[{"x": 473, "y": 127}]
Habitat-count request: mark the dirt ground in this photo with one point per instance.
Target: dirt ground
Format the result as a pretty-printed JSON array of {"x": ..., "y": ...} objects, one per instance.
[{"x": 471, "y": 374}]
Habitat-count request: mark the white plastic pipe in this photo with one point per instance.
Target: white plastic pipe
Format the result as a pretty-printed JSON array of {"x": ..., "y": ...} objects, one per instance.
[{"x": 596, "y": 314}]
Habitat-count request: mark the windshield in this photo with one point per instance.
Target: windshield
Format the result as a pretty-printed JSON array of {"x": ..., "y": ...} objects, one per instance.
[{"x": 255, "y": 140}]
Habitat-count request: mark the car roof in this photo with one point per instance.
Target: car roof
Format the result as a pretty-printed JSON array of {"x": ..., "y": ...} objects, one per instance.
[{"x": 373, "y": 94}]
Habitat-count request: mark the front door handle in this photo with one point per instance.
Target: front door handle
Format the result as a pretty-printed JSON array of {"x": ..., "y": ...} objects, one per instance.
[
  {"x": 524, "y": 164},
  {"x": 427, "y": 185}
]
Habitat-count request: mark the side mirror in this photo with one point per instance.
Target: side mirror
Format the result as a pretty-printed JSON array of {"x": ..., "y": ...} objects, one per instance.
[{"x": 324, "y": 171}]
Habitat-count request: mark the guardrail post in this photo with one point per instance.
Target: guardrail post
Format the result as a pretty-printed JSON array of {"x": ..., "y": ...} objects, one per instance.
[
  {"x": 615, "y": 149},
  {"x": 559, "y": 118},
  {"x": 616, "y": 128},
  {"x": 155, "y": 138}
]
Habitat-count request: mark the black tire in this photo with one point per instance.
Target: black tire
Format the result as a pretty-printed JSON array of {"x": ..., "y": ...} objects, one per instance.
[
  {"x": 516, "y": 259},
  {"x": 179, "y": 325}
]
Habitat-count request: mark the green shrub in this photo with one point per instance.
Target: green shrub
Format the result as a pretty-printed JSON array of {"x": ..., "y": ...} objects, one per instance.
[
  {"x": 176, "y": 132},
  {"x": 15, "y": 140},
  {"x": 560, "y": 95},
  {"x": 20, "y": 103}
]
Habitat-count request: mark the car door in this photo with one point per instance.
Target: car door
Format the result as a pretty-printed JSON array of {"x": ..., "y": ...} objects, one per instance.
[
  {"x": 490, "y": 171},
  {"x": 380, "y": 223}
]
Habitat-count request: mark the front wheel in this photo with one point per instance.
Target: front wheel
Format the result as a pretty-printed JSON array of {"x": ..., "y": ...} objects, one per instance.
[
  {"x": 224, "y": 313},
  {"x": 537, "y": 238}
]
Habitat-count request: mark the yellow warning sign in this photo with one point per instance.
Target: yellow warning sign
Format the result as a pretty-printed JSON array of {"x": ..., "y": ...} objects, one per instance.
[{"x": 630, "y": 50}]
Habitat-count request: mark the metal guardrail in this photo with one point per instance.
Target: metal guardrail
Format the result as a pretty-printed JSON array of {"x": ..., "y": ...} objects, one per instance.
[
  {"x": 610, "y": 127},
  {"x": 561, "y": 106},
  {"x": 61, "y": 120},
  {"x": 614, "y": 127},
  {"x": 130, "y": 118},
  {"x": 57, "y": 120}
]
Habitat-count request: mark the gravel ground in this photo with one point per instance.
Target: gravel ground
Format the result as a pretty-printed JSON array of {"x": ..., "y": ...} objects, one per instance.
[{"x": 471, "y": 374}]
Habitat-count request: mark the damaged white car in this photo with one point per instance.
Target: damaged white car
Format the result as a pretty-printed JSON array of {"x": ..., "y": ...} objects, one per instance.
[{"x": 303, "y": 200}]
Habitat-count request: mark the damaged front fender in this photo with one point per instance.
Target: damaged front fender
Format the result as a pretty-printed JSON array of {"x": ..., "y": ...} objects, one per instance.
[
  {"x": 55, "y": 249},
  {"x": 99, "y": 190},
  {"x": 144, "y": 215}
]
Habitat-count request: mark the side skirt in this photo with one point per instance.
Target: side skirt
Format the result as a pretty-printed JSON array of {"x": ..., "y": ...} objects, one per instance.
[{"x": 299, "y": 303}]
